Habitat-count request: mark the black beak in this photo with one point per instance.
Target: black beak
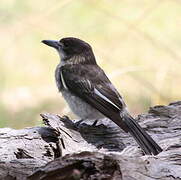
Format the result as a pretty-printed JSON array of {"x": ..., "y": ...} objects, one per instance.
[{"x": 51, "y": 43}]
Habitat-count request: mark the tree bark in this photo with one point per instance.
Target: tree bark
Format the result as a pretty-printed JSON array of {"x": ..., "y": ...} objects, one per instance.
[{"x": 66, "y": 150}]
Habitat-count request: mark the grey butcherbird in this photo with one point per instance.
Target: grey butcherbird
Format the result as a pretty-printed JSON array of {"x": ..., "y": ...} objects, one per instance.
[{"x": 89, "y": 92}]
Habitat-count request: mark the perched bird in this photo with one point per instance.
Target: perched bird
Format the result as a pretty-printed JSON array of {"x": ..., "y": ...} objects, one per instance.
[{"x": 90, "y": 94}]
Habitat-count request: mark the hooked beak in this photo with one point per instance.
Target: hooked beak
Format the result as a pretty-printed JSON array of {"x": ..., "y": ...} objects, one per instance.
[{"x": 51, "y": 43}]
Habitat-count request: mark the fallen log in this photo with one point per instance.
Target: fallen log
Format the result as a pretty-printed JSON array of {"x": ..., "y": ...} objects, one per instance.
[{"x": 64, "y": 150}]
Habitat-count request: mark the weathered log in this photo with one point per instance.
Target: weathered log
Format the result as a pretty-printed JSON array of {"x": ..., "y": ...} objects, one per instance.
[{"x": 65, "y": 150}]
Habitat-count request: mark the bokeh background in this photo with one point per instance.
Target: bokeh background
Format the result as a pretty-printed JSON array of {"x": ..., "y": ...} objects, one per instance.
[{"x": 136, "y": 42}]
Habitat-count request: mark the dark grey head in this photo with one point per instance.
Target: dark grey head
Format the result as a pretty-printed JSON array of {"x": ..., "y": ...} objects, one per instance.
[{"x": 70, "y": 47}]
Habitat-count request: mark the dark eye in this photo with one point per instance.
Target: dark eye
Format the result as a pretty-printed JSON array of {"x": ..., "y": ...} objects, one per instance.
[{"x": 65, "y": 44}]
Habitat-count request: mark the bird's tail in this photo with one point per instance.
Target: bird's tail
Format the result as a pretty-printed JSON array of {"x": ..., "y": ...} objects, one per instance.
[{"x": 147, "y": 144}]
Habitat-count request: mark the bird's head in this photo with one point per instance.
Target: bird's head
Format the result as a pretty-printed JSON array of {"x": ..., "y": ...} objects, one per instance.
[{"x": 71, "y": 49}]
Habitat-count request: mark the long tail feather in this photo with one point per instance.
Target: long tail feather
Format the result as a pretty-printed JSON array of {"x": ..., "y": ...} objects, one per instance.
[{"x": 147, "y": 144}]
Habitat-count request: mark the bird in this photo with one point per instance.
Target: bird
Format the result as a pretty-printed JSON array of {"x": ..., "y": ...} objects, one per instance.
[{"x": 89, "y": 92}]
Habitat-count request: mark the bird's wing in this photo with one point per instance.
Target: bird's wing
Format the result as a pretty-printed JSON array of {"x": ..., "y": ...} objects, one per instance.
[{"x": 92, "y": 85}]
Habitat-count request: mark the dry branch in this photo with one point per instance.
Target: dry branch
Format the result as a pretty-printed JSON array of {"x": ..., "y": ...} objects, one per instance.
[{"x": 67, "y": 151}]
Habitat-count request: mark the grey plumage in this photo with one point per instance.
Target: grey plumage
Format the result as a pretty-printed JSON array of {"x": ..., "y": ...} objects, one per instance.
[
  {"x": 76, "y": 104},
  {"x": 90, "y": 94}
]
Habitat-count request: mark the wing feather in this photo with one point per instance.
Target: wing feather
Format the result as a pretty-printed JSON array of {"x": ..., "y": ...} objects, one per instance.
[{"x": 93, "y": 86}]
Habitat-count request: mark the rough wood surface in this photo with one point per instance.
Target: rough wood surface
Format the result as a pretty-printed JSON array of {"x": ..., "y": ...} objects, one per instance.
[{"x": 65, "y": 150}]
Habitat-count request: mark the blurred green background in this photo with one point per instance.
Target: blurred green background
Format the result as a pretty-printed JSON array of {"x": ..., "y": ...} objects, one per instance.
[{"x": 136, "y": 42}]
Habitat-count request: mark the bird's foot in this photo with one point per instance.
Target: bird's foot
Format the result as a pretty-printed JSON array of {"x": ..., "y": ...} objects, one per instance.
[{"x": 78, "y": 123}]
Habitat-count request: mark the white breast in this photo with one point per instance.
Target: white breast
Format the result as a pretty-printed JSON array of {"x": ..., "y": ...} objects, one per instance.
[{"x": 81, "y": 108}]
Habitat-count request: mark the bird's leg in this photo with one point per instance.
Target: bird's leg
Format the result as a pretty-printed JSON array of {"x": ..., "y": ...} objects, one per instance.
[{"x": 94, "y": 123}]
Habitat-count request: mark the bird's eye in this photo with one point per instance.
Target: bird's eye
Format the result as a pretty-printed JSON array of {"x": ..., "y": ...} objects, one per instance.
[{"x": 65, "y": 44}]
